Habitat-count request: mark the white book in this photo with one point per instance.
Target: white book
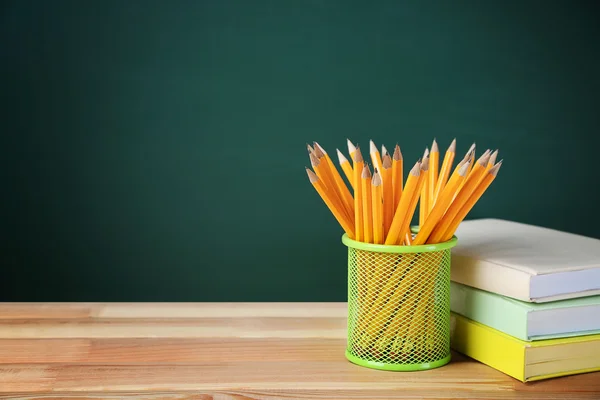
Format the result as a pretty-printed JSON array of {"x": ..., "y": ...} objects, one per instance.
[{"x": 525, "y": 262}]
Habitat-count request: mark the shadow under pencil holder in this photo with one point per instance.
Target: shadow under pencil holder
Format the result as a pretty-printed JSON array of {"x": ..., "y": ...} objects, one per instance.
[{"x": 398, "y": 305}]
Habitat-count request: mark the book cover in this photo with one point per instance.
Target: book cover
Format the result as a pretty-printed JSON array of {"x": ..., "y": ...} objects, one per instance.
[
  {"x": 525, "y": 361},
  {"x": 527, "y": 321},
  {"x": 525, "y": 262}
]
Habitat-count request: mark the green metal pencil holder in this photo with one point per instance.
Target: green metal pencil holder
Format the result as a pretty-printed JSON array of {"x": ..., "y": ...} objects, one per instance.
[{"x": 398, "y": 305}]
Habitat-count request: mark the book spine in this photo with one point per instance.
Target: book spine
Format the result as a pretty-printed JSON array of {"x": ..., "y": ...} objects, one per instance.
[
  {"x": 488, "y": 346},
  {"x": 492, "y": 277},
  {"x": 490, "y": 309}
]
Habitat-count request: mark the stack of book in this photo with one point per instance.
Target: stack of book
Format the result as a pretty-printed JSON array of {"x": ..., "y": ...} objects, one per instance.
[{"x": 526, "y": 300}]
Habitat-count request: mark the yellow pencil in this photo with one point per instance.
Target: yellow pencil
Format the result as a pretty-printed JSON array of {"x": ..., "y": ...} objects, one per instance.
[
  {"x": 377, "y": 206},
  {"x": 397, "y": 175},
  {"x": 388, "y": 193},
  {"x": 351, "y": 151},
  {"x": 468, "y": 153},
  {"x": 375, "y": 156},
  {"x": 322, "y": 170},
  {"x": 434, "y": 160},
  {"x": 358, "y": 198},
  {"x": 424, "y": 203},
  {"x": 445, "y": 170},
  {"x": 474, "y": 168},
  {"x": 461, "y": 198},
  {"x": 471, "y": 157},
  {"x": 438, "y": 210},
  {"x": 367, "y": 210},
  {"x": 478, "y": 169},
  {"x": 412, "y": 184},
  {"x": 342, "y": 220},
  {"x": 475, "y": 196},
  {"x": 346, "y": 167},
  {"x": 405, "y": 227},
  {"x": 492, "y": 160},
  {"x": 383, "y": 152},
  {"x": 339, "y": 182}
]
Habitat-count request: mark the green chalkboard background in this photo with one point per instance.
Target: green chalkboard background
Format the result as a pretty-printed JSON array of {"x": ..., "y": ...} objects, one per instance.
[{"x": 155, "y": 150}]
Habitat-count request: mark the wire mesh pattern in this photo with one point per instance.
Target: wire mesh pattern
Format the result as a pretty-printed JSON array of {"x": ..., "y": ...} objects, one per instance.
[{"x": 399, "y": 307}]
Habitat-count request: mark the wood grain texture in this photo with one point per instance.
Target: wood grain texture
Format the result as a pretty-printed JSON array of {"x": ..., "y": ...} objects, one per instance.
[{"x": 223, "y": 351}]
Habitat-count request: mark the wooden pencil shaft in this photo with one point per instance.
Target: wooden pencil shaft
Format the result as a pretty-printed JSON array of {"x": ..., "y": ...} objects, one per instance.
[
  {"x": 342, "y": 189},
  {"x": 424, "y": 203},
  {"x": 445, "y": 169},
  {"x": 321, "y": 167},
  {"x": 346, "y": 167},
  {"x": 439, "y": 209},
  {"x": 351, "y": 150},
  {"x": 334, "y": 208},
  {"x": 377, "y": 207},
  {"x": 397, "y": 176},
  {"x": 367, "y": 199},
  {"x": 473, "y": 199},
  {"x": 434, "y": 157},
  {"x": 358, "y": 197},
  {"x": 405, "y": 227},
  {"x": 375, "y": 156},
  {"x": 388, "y": 193},
  {"x": 412, "y": 184}
]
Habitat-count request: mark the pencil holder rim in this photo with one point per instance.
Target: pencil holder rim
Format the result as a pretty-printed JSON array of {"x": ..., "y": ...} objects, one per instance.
[{"x": 399, "y": 249}]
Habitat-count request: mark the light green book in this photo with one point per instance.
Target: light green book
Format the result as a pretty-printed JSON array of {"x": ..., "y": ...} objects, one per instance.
[{"x": 527, "y": 321}]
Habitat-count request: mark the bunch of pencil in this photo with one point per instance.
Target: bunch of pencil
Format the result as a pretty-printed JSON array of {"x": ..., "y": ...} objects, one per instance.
[
  {"x": 396, "y": 312},
  {"x": 381, "y": 206}
]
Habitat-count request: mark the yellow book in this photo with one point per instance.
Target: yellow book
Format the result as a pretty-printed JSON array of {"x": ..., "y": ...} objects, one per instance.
[{"x": 525, "y": 361}]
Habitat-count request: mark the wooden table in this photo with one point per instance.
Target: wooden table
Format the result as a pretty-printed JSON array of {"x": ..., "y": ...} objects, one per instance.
[{"x": 223, "y": 351}]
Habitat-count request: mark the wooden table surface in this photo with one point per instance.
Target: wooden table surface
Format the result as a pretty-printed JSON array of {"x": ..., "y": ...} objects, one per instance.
[{"x": 223, "y": 351}]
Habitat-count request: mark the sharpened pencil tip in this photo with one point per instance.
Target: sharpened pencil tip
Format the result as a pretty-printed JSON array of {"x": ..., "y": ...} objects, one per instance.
[
  {"x": 358, "y": 158},
  {"x": 311, "y": 176},
  {"x": 342, "y": 159},
  {"x": 493, "y": 157},
  {"x": 319, "y": 152},
  {"x": 387, "y": 161},
  {"x": 376, "y": 181},
  {"x": 372, "y": 148},
  {"x": 425, "y": 163},
  {"x": 397, "y": 153},
  {"x": 366, "y": 172},
  {"x": 321, "y": 149},
  {"x": 462, "y": 171},
  {"x": 351, "y": 147},
  {"x": 483, "y": 160},
  {"x": 494, "y": 170},
  {"x": 416, "y": 170},
  {"x": 452, "y": 147},
  {"x": 314, "y": 161}
]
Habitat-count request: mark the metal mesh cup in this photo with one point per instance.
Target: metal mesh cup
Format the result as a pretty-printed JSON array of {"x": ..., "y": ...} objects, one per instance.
[{"x": 398, "y": 305}]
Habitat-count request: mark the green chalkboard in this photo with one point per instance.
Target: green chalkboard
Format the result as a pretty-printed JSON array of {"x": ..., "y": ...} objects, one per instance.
[{"x": 155, "y": 150}]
